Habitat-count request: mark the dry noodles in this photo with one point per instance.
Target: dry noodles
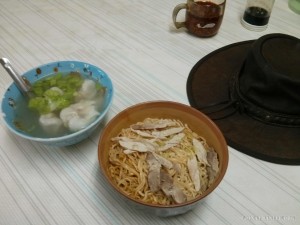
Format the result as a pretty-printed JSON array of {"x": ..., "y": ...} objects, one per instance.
[{"x": 162, "y": 161}]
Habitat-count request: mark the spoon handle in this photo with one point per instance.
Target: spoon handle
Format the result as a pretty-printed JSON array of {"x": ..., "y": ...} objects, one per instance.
[{"x": 23, "y": 84}]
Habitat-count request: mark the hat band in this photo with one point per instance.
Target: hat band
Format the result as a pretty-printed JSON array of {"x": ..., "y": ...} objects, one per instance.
[
  {"x": 260, "y": 113},
  {"x": 269, "y": 117}
]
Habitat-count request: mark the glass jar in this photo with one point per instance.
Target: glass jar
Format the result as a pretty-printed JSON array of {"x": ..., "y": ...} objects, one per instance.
[
  {"x": 257, "y": 14},
  {"x": 294, "y": 5}
]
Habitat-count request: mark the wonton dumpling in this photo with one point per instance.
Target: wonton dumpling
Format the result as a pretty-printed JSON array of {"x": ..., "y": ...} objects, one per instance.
[
  {"x": 79, "y": 115},
  {"x": 88, "y": 90},
  {"x": 51, "y": 123}
]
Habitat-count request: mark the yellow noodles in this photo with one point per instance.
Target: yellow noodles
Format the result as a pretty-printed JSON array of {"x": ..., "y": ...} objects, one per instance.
[{"x": 130, "y": 171}]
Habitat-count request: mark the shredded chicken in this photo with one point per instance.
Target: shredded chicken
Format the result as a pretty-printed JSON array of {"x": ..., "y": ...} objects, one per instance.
[
  {"x": 170, "y": 189},
  {"x": 172, "y": 142},
  {"x": 151, "y": 125},
  {"x": 154, "y": 172},
  {"x": 212, "y": 170},
  {"x": 194, "y": 172},
  {"x": 163, "y": 161},
  {"x": 167, "y": 132},
  {"x": 200, "y": 151}
]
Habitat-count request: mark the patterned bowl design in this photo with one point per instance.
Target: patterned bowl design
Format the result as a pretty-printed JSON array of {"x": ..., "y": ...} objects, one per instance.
[{"x": 87, "y": 70}]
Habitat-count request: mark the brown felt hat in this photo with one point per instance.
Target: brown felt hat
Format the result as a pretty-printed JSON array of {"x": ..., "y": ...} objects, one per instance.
[{"x": 251, "y": 90}]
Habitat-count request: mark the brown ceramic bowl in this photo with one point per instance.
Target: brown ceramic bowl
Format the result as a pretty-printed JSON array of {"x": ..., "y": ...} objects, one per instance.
[{"x": 196, "y": 120}]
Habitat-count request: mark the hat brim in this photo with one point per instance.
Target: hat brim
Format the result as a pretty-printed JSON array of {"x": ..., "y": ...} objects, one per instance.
[{"x": 208, "y": 84}]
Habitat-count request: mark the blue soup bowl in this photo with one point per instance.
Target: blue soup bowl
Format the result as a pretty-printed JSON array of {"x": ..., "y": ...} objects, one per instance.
[{"x": 12, "y": 95}]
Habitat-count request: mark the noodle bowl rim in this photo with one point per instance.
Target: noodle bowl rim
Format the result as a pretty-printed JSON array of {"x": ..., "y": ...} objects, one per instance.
[{"x": 142, "y": 109}]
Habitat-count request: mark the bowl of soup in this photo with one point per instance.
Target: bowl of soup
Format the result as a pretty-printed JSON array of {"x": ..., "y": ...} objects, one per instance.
[
  {"x": 162, "y": 157},
  {"x": 68, "y": 100}
]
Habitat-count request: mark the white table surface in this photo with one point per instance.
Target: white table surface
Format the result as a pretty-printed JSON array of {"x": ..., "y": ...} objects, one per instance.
[{"x": 147, "y": 59}]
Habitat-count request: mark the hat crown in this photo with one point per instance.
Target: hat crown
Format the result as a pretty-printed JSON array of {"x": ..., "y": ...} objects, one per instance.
[{"x": 269, "y": 81}]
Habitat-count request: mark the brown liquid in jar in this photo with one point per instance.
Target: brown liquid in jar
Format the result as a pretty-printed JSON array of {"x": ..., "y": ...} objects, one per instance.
[{"x": 204, "y": 18}]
